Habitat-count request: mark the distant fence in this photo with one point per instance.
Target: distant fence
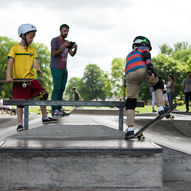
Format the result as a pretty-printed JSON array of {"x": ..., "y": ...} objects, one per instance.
[{"x": 27, "y": 103}]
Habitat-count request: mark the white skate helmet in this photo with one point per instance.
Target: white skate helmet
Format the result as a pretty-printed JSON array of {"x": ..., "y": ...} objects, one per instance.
[{"x": 25, "y": 28}]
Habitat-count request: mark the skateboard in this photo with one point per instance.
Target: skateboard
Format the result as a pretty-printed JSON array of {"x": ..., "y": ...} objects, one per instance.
[
  {"x": 25, "y": 81},
  {"x": 139, "y": 134}
]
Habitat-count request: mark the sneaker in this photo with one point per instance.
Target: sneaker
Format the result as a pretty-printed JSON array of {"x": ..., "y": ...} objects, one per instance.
[
  {"x": 20, "y": 128},
  {"x": 49, "y": 120},
  {"x": 63, "y": 113},
  {"x": 56, "y": 113},
  {"x": 128, "y": 134},
  {"x": 164, "y": 111}
]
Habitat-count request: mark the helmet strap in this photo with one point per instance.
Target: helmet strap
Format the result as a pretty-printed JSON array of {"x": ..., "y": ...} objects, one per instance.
[{"x": 25, "y": 39}]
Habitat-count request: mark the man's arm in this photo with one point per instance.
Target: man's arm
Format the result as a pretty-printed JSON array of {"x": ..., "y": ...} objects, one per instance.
[
  {"x": 73, "y": 51},
  {"x": 183, "y": 84},
  {"x": 9, "y": 67},
  {"x": 60, "y": 50}
]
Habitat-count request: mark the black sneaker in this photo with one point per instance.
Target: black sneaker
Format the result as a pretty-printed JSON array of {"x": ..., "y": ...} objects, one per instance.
[
  {"x": 20, "y": 128},
  {"x": 129, "y": 134},
  {"x": 49, "y": 120}
]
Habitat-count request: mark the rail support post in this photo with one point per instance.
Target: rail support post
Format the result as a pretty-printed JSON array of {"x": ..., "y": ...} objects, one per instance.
[
  {"x": 121, "y": 118},
  {"x": 26, "y": 117}
]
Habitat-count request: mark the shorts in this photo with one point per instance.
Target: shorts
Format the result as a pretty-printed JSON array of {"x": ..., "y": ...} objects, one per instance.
[{"x": 30, "y": 91}]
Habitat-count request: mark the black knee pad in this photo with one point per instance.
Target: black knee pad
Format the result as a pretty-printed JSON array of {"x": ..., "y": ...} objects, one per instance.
[
  {"x": 130, "y": 103},
  {"x": 44, "y": 95},
  {"x": 20, "y": 106},
  {"x": 159, "y": 85}
]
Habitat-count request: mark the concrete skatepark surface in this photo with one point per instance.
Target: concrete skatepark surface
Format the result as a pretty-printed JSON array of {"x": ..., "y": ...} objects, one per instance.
[{"x": 173, "y": 136}]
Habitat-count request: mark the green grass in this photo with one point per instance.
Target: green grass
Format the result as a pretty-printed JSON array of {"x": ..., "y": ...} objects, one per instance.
[
  {"x": 36, "y": 109},
  {"x": 145, "y": 109},
  {"x": 148, "y": 108}
]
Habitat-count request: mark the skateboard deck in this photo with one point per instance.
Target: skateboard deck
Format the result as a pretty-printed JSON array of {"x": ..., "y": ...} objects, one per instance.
[
  {"x": 139, "y": 134},
  {"x": 25, "y": 81}
]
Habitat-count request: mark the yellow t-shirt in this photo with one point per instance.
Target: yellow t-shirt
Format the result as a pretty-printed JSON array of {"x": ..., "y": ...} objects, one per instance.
[{"x": 23, "y": 61}]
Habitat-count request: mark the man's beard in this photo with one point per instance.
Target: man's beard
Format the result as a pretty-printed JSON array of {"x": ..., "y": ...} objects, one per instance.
[{"x": 64, "y": 36}]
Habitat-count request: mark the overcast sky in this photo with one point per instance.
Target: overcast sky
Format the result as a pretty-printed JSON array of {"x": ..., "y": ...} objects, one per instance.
[{"x": 103, "y": 29}]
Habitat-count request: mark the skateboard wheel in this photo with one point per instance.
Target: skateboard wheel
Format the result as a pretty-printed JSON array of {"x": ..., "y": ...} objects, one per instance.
[
  {"x": 141, "y": 137},
  {"x": 172, "y": 117},
  {"x": 24, "y": 85}
]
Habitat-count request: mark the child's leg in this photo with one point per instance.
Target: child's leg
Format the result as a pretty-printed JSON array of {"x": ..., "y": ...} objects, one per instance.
[
  {"x": 158, "y": 86},
  {"x": 19, "y": 115},
  {"x": 159, "y": 97},
  {"x": 130, "y": 118},
  {"x": 44, "y": 111}
]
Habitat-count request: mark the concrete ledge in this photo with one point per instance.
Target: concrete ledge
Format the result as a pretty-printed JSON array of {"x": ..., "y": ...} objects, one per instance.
[
  {"x": 79, "y": 146},
  {"x": 81, "y": 168},
  {"x": 29, "y": 162}
]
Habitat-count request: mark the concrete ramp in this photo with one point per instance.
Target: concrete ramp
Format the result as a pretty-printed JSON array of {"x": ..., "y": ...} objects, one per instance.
[
  {"x": 175, "y": 138},
  {"x": 71, "y": 132},
  {"x": 171, "y": 127},
  {"x": 78, "y": 157},
  {"x": 175, "y": 134}
]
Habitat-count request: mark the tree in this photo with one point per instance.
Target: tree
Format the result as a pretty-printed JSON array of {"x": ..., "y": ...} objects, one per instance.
[
  {"x": 165, "y": 49},
  {"x": 92, "y": 83},
  {"x": 168, "y": 65},
  {"x": 117, "y": 77},
  {"x": 181, "y": 46},
  {"x": 5, "y": 45},
  {"x": 107, "y": 88},
  {"x": 44, "y": 62},
  {"x": 73, "y": 82}
]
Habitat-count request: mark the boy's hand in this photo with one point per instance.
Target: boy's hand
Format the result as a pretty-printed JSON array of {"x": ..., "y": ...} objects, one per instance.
[
  {"x": 39, "y": 72},
  {"x": 152, "y": 77},
  {"x": 9, "y": 79}
]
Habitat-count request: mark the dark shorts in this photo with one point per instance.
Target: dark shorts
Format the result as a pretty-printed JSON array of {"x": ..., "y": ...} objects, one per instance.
[{"x": 30, "y": 91}]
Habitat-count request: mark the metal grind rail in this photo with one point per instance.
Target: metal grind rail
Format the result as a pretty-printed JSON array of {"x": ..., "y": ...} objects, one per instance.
[{"x": 27, "y": 103}]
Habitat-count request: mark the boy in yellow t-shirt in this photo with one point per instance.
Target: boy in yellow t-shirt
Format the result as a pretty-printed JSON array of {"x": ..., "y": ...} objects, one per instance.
[{"x": 22, "y": 57}]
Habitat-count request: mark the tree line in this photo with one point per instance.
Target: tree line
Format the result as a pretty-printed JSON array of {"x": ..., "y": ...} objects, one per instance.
[{"x": 97, "y": 84}]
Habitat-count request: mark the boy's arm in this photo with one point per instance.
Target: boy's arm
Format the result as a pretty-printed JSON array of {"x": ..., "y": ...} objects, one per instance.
[
  {"x": 37, "y": 66},
  {"x": 9, "y": 68}
]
